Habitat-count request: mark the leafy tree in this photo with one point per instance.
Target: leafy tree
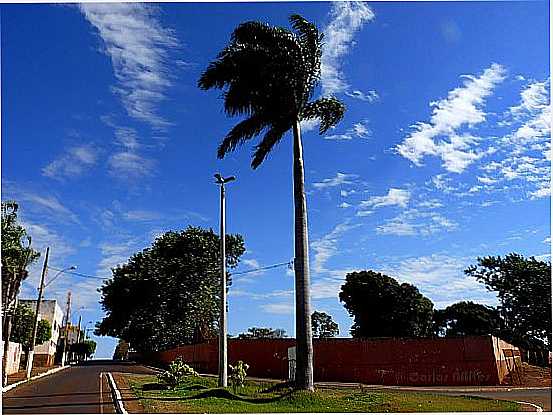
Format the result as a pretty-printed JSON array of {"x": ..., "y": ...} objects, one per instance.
[
  {"x": 121, "y": 351},
  {"x": 85, "y": 348},
  {"x": 263, "y": 333},
  {"x": 16, "y": 256},
  {"x": 381, "y": 307},
  {"x": 523, "y": 287},
  {"x": 466, "y": 318},
  {"x": 323, "y": 325},
  {"x": 168, "y": 294},
  {"x": 269, "y": 75},
  {"x": 23, "y": 323}
]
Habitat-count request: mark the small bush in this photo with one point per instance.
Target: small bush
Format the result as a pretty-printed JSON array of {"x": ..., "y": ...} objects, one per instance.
[
  {"x": 176, "y": 374},
  {"x": 238, "y": 374}
]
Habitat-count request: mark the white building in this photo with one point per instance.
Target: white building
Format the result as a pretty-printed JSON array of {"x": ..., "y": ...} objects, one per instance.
[{"x": 51, "y": 311}]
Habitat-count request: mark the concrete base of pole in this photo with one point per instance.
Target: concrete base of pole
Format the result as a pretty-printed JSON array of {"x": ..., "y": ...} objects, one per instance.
[{"x": 30, "y": 358}]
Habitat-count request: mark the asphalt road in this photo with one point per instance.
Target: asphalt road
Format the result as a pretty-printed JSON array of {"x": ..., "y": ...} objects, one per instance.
[{"x": 78, "y": 389}]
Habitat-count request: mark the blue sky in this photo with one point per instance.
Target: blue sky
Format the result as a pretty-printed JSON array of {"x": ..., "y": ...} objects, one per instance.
[{"x": 443, "y": 155}]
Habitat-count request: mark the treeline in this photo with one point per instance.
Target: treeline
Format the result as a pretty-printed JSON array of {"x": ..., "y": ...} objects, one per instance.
[
  {"x": 168, "y": 295},
  {"x": 382, "y": 307}
]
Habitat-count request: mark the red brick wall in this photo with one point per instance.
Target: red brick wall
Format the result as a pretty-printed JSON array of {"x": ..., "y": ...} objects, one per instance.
[{"x": 451, "y": 361}]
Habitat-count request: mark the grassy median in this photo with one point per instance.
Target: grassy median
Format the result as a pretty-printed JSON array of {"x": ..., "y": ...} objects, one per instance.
[{"x": 201, "y": 395}]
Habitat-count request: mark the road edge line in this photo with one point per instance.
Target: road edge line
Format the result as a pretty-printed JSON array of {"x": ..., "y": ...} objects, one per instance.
[
  {"x": 40, "y": 375},
  {"x": 538, "y": 408},
  {"x": 119, "y": 407}
]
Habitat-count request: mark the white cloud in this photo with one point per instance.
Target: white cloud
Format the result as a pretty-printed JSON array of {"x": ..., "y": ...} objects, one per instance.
[
  {"x": 73, "y": 163},
  {"x": 49, "y": 206},
  {"x": 141, "y": 215},
  {"x": 129, "y": 165},
  {"x": 462, "y": 107},
  {"x": 357, "y": 130},
  {"x": 434, "y": 272},
  {"x": 369, "y": 96},
  {"x": 327, "y": 246},
  {"x": 138, "y": 46},
  {"x": 347, "y": 17},
  {"x": 278, "y": 308},
  {"x": 395, "y": 197},
  {"x": 414, "y": 222},
  {"x": 338, "y": 180}
]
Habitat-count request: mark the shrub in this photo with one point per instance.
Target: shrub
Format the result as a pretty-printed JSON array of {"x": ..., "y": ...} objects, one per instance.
[
  {"x": 176, "y": 374},
  {"x": 238, "y": 374}
]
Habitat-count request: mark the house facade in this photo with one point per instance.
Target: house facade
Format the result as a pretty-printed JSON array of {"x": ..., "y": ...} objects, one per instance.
[{"x": 51, "y": 311}]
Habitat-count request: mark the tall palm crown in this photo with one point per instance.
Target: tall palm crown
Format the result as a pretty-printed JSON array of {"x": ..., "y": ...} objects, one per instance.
[{"x": 269, "y": 74}]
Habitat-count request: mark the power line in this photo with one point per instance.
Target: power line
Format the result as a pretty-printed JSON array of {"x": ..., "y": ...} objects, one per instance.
[
  {"x": 81, "y": 275},
  {"x": 78, "y": 274},
  {"x": 289, "y": 263}
]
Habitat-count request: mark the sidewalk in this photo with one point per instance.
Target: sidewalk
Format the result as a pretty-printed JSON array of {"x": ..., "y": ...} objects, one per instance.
[{"x": 19, "y": 376}]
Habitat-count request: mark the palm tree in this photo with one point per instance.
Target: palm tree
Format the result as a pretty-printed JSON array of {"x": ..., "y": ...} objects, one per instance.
[{"x": 269, "y": 74}]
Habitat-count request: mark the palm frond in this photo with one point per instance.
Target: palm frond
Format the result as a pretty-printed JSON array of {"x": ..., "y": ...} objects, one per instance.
[
  {"x": 271, "y": 138},
  {"x": 240, "y": 133},
  {"x": 329, "y": 110}
]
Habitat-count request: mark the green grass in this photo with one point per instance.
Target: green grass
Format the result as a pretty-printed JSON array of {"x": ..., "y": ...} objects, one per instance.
[{"x": 201, "y": 395}]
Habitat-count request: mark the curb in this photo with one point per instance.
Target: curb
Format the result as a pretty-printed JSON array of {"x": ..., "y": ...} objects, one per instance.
[
  {"x": 118, "y": 400},
  {"x": 533, "y": 405},
  {"x": 49, "y": 372}
]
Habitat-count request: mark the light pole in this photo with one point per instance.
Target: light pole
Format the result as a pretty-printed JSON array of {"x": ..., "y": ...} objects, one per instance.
[
  {"x": 41, "y": 288},
  {"x": 221, "y": 181}
]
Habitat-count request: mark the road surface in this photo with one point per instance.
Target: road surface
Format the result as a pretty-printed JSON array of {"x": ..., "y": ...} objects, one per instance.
[{"x": 78, "y": 389}]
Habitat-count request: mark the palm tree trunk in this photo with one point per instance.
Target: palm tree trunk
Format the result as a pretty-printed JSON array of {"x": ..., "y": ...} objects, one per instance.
[{"x": 304, "y": 343}]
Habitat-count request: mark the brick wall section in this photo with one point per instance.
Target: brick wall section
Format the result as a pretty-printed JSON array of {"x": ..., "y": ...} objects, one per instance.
[{"x": 445, "y": 361}]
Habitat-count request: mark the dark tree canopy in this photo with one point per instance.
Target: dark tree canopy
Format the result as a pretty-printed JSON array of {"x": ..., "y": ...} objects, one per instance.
[
  {"x": 85, "y": 348},
  {"x": 523, "y": 287},
  {"x": 168, "y": 294},
  {"x": 323, "y": 325},
  {"x": 381, "y": 307},
  {"x": 263, "y": 333},
  {"x": 269, "y": 75},
  {"x": 466, "y": 318},
  {"x": 23, "y": 323}
]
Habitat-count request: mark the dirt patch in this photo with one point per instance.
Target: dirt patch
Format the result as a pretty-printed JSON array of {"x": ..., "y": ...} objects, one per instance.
[
  {"x": 530, "y": 376},
  {"x": 132, "y": 403}
]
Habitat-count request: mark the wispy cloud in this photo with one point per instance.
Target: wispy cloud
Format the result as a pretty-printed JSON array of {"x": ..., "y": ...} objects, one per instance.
[
  {"x": 347, "y": 17},
  {"x": 413, "y": 222},
  {"x": 338, "y": 180},
  {"x": 327, "y": 246},
  {"x": 130, "y": 165},
  {"x": 394, "y": 197},
  {"x": 369, "y": 96},
  {"x": 462, "y": 107},
  {"x": 434, "y": 272},
  {"x": 74, "y": 162},
  {"x": 358, "y": 130},
  {"x": 138, "y": 46},
  {"x": 39, "y": 204},
  {"x": 279, "y": 308}
]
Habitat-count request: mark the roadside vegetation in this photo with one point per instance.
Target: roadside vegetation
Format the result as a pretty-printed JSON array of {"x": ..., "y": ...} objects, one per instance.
[{"x": 201, "y": 395}]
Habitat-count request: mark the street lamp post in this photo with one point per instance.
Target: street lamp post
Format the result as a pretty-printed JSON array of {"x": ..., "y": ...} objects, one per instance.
[
  {"x": 41, "y": 287},
  {"x": 221, "y": 181}
]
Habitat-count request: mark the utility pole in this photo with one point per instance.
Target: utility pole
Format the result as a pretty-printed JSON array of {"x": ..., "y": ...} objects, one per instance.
[
  {"x": 79, "y": 331},
  {"x": 223, "y": 316},
  {"x": 67, "y": 322},
  {"x": 31, "y": 354}
]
